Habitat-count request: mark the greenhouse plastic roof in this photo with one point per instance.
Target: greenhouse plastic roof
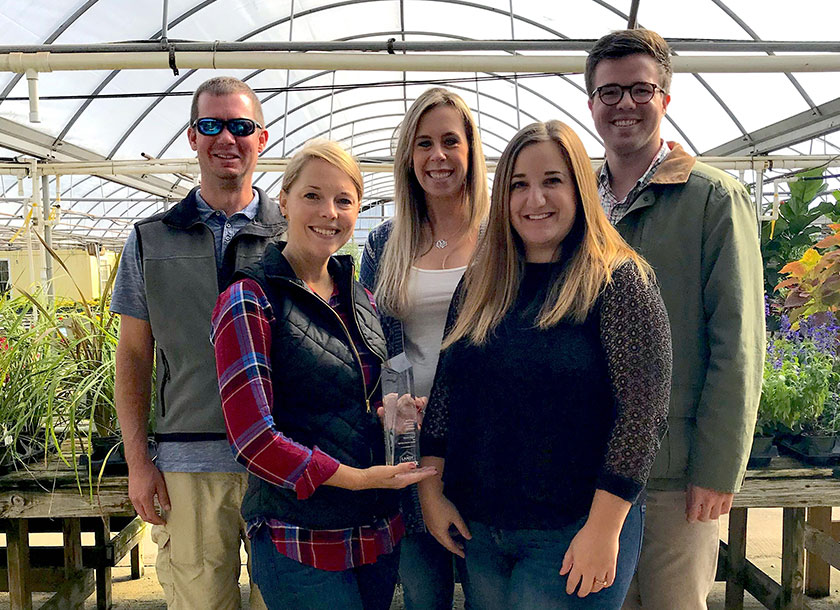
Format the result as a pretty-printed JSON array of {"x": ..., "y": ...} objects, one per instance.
[{"x": 131, "y": 114}]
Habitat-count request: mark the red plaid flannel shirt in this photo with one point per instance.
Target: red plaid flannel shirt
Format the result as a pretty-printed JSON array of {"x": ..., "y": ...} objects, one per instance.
[{"x": 241, "y": 334}]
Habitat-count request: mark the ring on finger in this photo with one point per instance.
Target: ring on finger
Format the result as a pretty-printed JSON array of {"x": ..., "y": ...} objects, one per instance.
[{"x": 603, "y": 583}]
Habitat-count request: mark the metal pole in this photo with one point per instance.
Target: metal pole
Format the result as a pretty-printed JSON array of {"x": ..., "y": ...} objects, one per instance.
[
  {"x": 515, "y": 80},
  {"x": 759, "y": 197},
  {"x": 477, "y": 104},
  {"x": 286, "y": 109},
  {"x": 633, "y": 20},
  {"x": 164, "y": 28},
  {"x": 332, "y": 104},
  {"x": 47, "y": 229}
]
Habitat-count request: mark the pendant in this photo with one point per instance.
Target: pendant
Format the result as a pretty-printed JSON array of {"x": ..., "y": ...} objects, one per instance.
[{"x": 441, "y": 244}]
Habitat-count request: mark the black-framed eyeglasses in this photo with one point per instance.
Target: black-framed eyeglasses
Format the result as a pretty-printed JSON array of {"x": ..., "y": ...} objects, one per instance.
[
  {"x": 238, "y": 127},
  {"x": 612, "y": 94}
]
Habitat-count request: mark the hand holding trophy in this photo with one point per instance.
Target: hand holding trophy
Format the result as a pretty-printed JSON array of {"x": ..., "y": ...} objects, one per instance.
[{"x": 401, "y": 419}]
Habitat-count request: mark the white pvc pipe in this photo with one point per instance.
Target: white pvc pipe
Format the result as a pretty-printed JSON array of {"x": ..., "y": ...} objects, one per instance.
[
  {"x": 32, "y": 81},
  {"x": 190, "y": 166},
  {"x": 239, "y": 60}
]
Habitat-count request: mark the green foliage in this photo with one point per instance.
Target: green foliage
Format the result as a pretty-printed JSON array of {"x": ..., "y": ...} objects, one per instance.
[
  {"x": 794, "y": 232},
  {"x": 797, "y": 382},
  {"x": 813, "y": 283},
  {"x": 57, "y": 365},
  {"x": 353, "y": 249}
]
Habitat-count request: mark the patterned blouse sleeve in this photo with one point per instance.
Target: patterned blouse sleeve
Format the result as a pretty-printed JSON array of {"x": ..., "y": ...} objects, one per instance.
[
  {"x": 436, "y": 419},
  {"x": 636, "y": 337}
]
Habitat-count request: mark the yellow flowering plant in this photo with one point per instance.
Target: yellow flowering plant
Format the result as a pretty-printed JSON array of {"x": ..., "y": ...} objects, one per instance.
[{"x": 813, "y": 281}]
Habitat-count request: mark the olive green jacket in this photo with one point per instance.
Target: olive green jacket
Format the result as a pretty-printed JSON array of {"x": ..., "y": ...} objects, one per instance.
[{"x": 698, "y": 228}]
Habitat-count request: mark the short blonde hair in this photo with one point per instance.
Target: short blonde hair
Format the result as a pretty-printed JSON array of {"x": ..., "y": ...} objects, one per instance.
[{"x": 328, "y": 151}]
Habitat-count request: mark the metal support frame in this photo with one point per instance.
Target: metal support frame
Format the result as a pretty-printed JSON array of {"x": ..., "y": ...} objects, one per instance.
[
  {"x": 806, "y": 125},
  {"x": 46, "y": 228}
]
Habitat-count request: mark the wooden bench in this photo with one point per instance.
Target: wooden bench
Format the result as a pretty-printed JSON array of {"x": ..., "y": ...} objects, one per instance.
[
  {"x": 49, "y": 499},
  {"x": 806, "y": 495}
]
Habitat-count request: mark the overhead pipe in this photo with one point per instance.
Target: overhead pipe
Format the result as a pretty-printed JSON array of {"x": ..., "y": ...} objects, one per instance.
[
  {"x": 423, "y": 46},
  {"x": 190, "y": 166},
  {"x": 237, "y": 60}
]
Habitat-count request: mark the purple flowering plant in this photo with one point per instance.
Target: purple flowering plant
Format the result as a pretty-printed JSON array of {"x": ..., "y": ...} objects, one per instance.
[{"x": 801, "y": 377}]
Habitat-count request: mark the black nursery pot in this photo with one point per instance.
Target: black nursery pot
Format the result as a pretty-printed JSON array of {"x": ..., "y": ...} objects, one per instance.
[
  {"x": 26, "y": 452},
  {"x": 814, "y": 450},
  {"x": 115, "y": 463},
  {"x": 762, "y": 452}
]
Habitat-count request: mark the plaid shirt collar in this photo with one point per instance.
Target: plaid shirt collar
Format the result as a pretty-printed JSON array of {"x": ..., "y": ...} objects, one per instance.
[{"x": 615, "y": 208}]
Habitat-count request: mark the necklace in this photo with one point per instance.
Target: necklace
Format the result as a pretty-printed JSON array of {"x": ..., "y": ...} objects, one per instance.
[{"x": 441, "y": 244}]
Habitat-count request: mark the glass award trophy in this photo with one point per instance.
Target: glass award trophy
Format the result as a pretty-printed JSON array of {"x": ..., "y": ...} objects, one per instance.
[{"x": 402, "y": 432}]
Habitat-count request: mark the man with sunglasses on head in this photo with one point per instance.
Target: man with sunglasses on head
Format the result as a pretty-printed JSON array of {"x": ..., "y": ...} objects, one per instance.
[
  {"x": 173, "y": 267},
  {"x": 697, "y": 227}
]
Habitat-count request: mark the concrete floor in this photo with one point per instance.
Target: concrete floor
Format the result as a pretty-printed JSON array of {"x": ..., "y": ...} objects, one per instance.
[{"x": 763, "y": 549}]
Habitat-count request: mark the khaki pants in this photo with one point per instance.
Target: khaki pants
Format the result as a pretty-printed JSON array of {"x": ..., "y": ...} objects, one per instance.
[
  {"x": 198, "y": 560},
  {"x": 679, "y": 559}
]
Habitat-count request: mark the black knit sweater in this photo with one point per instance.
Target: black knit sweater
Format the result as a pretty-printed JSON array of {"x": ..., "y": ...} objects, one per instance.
[{"x": 534, "y": 421}]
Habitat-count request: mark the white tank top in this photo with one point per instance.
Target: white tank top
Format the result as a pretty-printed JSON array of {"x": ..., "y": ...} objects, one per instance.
[{"x": 430, "y": 292}]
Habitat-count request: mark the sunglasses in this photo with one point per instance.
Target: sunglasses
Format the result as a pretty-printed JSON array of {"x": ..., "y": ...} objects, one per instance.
[
  {"x": 641, "y": 93},
  {"x": 238, "y": 127}
]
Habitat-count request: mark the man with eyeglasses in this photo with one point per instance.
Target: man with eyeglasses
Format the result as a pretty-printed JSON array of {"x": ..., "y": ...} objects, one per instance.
[
  {"x": 698, "y": 229},
  {"x": 172, "y": 269}
]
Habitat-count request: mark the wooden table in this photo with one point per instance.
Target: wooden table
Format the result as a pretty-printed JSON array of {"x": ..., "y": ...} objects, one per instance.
[
  {"x": 49, "y": 499},
  {"x": 806, "y": 495}
]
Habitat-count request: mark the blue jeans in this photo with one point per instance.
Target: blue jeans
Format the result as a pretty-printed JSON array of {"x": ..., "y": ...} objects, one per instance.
[
  {"x": 286, "y": 583},
  {"x": 426, "y": 573},
  {"x": 521, "y": 568}
]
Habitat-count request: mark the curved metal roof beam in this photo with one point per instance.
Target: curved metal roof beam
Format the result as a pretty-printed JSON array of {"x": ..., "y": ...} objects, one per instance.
[
  {"x": 384, "y": 143},
  {"x": 412, "y": 32},
  {"x": 322, "y": 133},
  {"x": 378, "y": 180},
  {"x": 612, "y": 9},
  {"x": 49, "y": 40},
  {"x": 722, "y": 6},
  {"x": 275, "y": 24},
  {"x": 452, "y": 86},
  {"x": 113, "y": 194},
  {"x": 354, "y": 107},
  {"x": 342, "y": 3},
  {"x": 113, "y": 74}
]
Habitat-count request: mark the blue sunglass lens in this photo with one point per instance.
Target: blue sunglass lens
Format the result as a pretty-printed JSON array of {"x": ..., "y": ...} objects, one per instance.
[
  {"x": 209, "y": 127},
  {"x": 241, "y": 127}
]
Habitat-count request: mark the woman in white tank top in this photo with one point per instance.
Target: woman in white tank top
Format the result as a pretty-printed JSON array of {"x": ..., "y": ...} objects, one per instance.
[{"x": 413, "y": 263}]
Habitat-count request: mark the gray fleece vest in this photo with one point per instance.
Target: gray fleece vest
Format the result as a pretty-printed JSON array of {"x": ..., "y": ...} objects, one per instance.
[{"x": 182, "y": 283}]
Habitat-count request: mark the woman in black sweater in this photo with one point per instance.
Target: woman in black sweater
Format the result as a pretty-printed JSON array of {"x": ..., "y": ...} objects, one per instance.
[{"x": 551, "y": 394}]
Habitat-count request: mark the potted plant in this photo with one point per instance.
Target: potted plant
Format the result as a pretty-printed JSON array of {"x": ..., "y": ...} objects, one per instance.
[
  {"x": 799, "y": 402},
  {"x": 57, "y": 362},
  {"x": 812, "y": 299}
]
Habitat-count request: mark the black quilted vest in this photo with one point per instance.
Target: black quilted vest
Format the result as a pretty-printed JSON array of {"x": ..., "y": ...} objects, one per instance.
[{"x": 319, "y": 395}]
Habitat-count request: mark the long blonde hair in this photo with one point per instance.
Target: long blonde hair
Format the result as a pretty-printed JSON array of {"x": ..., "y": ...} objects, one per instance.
[
  {"x": 410, "y": 214},
  {"x": 594, "y": 248}
]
